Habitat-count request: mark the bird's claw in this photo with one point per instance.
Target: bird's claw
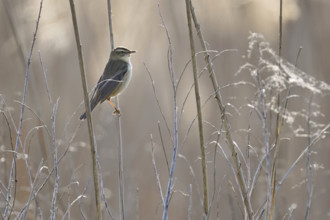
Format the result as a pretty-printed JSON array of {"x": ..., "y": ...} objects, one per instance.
[{"x": 116, "y": 112}]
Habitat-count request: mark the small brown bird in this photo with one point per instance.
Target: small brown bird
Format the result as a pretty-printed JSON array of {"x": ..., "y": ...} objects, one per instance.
[{"x": 115, "y": 78}]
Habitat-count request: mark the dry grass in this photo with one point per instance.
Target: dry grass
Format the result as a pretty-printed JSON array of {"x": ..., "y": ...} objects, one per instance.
[{"x": 263, "y": 125}]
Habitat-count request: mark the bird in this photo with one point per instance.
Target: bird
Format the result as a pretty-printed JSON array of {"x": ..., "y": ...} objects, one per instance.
[{"x": 114, "y": 80}]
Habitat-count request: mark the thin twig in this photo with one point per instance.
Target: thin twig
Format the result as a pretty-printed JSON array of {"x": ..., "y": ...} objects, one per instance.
[
  {"x": 71, "y": 204},
  {"x": 205, "y": 67},
  {"x": 121, "y": 181},
  {"x": 214, "y": 173},
  {"x": 42, "y": 135},
  {"x": 274, "y": 169},
  {"x": 298, "y": 55},
  {"x": 313, "y": 141},
  {"x": 15, "y": 171},
  {"x": 266, "y": 142},
  {"x": 211, "y": 96},
  {"x": 33, "y": 89},
  {"x": 102, "y": 192},
  {"x": 59, "y": 160},
  {"x": 271, "y": 202},
  {"x": 163, "y": 146},
  {"x": 309, "y": 174},
  {"x": 256, "y": 173},
  {"x": 53, "y": 119},
  {"x": 199, "y": 75},
  {"x": 199, "y": 111},
  {"x": 232, "y": 167},
  {"x": 155, "y": 169},
  {"x": 121, "y": 165},
  {"x": 8, "y": 208},
  {"x": 43, "y": 124},
  {"x": 158, "y": 103},
  {"x": 190, "y": 202},
  {"x": 280, "y": 30},
  {"x": 248, "y": 150},
  {"x": 88, "y": 112},
  {"x": 193, "y": 175},
  {"x": 83, "y": 215},
  {"x": 175, "y": 118},
  {"x": 112, "y": 44},
  {"x": 241, "y": 182},
  {"x": 31, "y": 196}
]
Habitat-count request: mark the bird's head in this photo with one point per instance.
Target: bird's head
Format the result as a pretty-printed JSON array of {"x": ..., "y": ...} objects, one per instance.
[{"x": 121, "y": 53}]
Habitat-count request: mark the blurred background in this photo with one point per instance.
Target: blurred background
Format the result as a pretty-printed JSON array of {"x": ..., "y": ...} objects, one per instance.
[{"x": 137, "y": 25}]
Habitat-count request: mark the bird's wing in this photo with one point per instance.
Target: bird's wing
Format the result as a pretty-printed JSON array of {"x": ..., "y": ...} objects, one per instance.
[{"x": 109, "y": 82}]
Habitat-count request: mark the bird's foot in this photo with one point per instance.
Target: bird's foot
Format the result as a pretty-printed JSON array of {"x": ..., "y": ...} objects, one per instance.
[{"x": 116, "y": 112}]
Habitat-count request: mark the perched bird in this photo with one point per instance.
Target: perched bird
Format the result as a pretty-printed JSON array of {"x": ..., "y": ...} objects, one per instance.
[{"x": 115, "y": 78}]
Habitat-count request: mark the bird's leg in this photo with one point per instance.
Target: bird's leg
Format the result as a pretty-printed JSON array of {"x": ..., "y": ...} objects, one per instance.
[{"x": 116, "y": 111}]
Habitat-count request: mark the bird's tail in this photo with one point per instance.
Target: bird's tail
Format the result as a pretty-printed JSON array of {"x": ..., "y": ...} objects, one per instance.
[
  {"x": 93, "y": 103},
  {"x": 83, "y": 116}
]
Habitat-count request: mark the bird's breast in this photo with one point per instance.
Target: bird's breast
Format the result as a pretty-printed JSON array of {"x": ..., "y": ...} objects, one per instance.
[{"x": 126, "y": 79}]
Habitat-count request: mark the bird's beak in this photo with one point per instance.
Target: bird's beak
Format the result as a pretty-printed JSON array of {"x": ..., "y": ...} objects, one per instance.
[{"x": 132, "y": 51}]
